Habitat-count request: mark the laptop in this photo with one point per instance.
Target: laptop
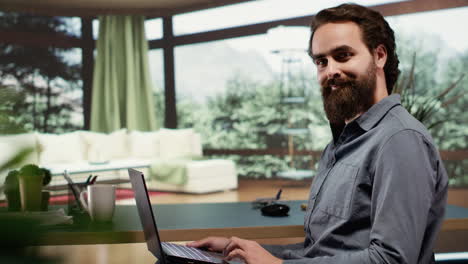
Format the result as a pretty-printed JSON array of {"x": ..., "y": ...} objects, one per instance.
[{"x": 166, "y": 253}]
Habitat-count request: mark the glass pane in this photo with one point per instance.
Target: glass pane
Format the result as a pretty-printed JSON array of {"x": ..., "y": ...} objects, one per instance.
[
  {"x": 248, "y": 13},
  {"x": 41, "y": 86},
  {"x": 72, "y": 25},
  {"x": 45, "y": 94},
  {"x": 157, "y": 76},
  {"x": 440, "y": 55},
  {"x": 153, "y": 28},
  {"x": 253, "y": 93},
  {"x": 95, "y": 28}
]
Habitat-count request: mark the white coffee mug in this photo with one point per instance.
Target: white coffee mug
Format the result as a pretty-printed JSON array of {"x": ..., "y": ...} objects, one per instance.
[{"x": 100, "y": 203}]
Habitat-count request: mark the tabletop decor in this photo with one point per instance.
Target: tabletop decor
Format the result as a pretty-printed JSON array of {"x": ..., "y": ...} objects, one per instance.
[{"x": 24, "y": 188}]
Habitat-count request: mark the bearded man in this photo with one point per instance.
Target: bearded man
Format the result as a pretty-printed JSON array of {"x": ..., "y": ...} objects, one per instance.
[{"x": 380, "y": 192}]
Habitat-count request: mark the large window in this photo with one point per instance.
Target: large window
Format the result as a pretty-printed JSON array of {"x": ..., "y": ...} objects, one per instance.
[{"x": 235, "y": 92}]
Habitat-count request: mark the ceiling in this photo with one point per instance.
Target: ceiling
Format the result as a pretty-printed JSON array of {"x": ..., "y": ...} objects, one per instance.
[{"x": 154, "y": 8}]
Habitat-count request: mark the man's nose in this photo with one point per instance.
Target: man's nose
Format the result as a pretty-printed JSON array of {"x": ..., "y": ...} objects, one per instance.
[{"x": 333, "y": 70}]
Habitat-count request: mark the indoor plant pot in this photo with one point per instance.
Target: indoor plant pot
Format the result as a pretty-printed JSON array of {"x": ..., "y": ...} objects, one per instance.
[{"x": 30, "y": 184}]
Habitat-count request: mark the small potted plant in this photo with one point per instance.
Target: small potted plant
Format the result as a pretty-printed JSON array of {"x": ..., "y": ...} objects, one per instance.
[
  {"x": 12, "y": 187},
  {"x": 31, "y": 179}
]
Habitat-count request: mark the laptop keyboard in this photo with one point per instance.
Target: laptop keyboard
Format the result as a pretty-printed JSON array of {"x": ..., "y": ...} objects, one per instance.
[{"x": 191, "y": 253}]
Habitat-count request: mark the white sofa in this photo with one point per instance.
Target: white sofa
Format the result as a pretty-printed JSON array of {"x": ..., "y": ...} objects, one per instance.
[{"x": 83, "y": 153}]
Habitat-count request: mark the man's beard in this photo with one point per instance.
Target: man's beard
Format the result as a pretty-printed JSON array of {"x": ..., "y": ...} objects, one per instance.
[{"x": 352, "y": 96}]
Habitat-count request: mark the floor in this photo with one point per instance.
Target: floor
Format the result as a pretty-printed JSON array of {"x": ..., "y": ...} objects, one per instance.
[{"x": 248, "y": 190}]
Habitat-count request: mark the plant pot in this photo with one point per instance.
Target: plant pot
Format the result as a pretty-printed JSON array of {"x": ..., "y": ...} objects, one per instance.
[
  {"x": 30, "y": 192},
  {"x": 13, "y": 200}
]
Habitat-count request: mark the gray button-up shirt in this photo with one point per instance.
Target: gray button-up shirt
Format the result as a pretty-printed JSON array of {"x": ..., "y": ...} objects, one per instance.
[{"x": 379, "y": 195}]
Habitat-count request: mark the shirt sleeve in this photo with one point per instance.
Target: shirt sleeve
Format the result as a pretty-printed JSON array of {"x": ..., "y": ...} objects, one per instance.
[
  {"x": 279, "y": 251},
  {"x": 404, "y": 180}
]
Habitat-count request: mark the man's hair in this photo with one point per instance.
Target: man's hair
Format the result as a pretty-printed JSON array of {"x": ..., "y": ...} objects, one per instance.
[{"x": 375, "y": 31}]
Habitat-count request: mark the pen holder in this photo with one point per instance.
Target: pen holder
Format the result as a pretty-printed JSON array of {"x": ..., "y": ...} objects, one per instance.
[{"x": 74, "y": 206}]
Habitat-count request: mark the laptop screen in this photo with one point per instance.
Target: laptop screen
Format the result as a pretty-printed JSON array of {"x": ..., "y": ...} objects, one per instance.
[{"x": 146, "y": 214}]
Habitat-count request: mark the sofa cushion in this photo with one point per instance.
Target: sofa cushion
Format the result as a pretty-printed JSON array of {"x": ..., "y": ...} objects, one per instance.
[
  {"x": 10, "y": 145},
  {"x": 144, "y": 144},
  {"x": 178, "y": 143},
  {"x": 103, "y": 147},
  {"x": 55, "y": 148}
]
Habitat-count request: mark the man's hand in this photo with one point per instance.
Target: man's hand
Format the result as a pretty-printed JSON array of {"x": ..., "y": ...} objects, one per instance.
[
  {"x": 250, "y": 251},
  {"x": 217, "y": 244}
]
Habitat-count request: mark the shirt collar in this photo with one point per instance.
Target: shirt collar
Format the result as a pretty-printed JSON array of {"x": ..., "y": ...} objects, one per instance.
[{"x": 370, "y": 118}]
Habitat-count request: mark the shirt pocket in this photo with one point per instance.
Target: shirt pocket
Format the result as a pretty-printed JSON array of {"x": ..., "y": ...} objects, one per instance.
[{"x": 337, "y": 191}]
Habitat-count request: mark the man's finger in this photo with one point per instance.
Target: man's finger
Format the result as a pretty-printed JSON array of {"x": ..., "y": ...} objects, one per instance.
[
  {"x": 241, "y": 243},
  {"x": 228, "y": 248},
  {"x": 236, "y": 253},
  {"x": 233, "y": 244},
  {"x": 200, "y": 243}
]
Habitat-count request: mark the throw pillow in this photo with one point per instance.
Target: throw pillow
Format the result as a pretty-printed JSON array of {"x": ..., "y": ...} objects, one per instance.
[
  {"x": 104, "y": 147},
  {"x": 61, "y": 148},
  {"x": 144, "y": 144},
  {"x": 176, "y": 143}
]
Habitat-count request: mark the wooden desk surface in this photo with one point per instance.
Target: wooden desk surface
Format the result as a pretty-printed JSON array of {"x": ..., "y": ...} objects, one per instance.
[{"x": 186, "y": 222}]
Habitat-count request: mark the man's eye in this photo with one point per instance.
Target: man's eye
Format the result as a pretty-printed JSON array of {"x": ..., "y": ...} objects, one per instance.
[
  {"x": 320, "y": 62},
  {"x": 344, "y": 55}
]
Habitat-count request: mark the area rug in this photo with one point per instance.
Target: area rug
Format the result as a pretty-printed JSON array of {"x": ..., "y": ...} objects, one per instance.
[{"x": 120, "y": 194}]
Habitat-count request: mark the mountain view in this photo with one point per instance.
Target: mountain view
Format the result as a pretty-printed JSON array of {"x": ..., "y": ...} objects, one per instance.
[{"x": 203, "y": 69}]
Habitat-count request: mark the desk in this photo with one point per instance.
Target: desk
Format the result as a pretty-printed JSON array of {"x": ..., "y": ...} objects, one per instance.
[{"x": 185, "y": 222}]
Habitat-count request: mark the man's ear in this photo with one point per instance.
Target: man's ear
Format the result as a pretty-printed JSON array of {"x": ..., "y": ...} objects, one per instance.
[{"x": 380, "y": 56}]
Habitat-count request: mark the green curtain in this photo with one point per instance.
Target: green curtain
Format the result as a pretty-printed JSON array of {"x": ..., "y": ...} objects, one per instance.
[{"x": 122, "y": 92}]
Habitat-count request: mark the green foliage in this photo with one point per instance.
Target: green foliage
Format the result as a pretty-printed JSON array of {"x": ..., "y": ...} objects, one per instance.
[
  {"x": 47, "y": 176},
  {"x": 12, "y": 182},
  {"x": 14, "y": 161},
  {"x": 10, "y": 123},
  {"x": 429, "y": 110},
  {"x": 31, "y": 170},
  {"x": 253, "y": 115},
  {"x": 41, "y": 77},
  {"x": 17, "y": 235}
]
